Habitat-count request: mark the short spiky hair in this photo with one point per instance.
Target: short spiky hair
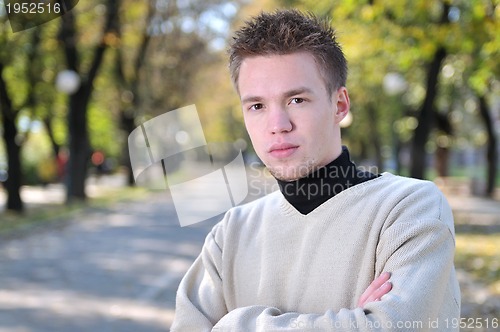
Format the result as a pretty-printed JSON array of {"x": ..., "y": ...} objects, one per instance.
[{"x": 289, "y": 31}]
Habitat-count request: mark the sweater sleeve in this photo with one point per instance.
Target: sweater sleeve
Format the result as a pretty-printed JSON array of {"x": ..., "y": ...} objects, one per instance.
[{"x": 199, "y": 301}]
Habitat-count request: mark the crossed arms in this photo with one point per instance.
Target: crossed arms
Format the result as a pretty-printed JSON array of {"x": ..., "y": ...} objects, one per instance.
[{"x": 201, "y": 305}]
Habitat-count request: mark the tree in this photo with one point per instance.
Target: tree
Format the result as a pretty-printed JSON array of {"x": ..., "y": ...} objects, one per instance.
[
  {"x": 79, "y": 146},
  {"x": 482, "y": 35},
  {"x": 128, "y": 85},
  {"x": 492, "y": 147},
  {"x": 426, "y": 116},
  {"x": 13, "y": 182},
  {"x": 11, "y": 104}
]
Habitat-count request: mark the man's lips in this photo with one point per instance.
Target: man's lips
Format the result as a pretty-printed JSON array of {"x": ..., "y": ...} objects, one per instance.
[{"x": 282, "y": 150}]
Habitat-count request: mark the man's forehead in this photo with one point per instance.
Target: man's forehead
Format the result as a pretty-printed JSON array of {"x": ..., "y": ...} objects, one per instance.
[{"x": 283, "y": 74}]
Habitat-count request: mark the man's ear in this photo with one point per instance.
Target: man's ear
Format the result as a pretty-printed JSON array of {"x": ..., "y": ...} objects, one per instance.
[{"x": 341, "y": 97}]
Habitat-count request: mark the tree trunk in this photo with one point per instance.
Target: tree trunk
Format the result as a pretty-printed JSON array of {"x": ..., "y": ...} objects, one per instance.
[
  {"x": 442, "y": 155},
  {"x": 10, "y": 133},
  {"x": 14, "y": 179},
  {"x": 425, "y": 118},
  {"x": 397, "y": 155},
  {"x": 79, "y": 147},
  {"x": 491, "y": 154},
  {"x": 442, "y": 161},
  {"x": 79, "y": 144},
  {"x": 128, "y": 125},
  {"x": 375, "y": 138}
]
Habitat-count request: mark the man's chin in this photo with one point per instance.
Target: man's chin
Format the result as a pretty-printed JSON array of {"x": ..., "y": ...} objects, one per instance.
[{"x": 287, "y": 174}]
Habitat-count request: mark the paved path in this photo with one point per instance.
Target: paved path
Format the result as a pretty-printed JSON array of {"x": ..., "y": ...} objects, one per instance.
[{"x": 112, "y": 269}]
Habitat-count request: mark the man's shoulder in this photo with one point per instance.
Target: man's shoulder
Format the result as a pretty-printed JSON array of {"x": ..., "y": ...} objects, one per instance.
[
  {"x": 411, "y": 195},
  {"x": 407, "y": 185}
]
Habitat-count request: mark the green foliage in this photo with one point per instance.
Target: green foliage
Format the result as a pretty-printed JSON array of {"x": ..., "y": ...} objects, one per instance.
[
  {"x": 181, "y": 68},
  {"x": 38, "y": 160},
  {"x": 402, "y": 36}
]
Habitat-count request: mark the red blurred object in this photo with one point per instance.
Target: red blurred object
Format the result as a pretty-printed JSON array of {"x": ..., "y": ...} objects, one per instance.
[{"x": 97, "y": 158}]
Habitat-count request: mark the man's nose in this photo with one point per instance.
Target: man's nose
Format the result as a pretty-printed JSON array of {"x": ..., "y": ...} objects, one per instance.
[{"x": 279, "y": 121}]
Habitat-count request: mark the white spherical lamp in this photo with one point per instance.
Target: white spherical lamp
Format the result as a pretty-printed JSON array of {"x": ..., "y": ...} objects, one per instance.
[{"x": 67, "y": 81}]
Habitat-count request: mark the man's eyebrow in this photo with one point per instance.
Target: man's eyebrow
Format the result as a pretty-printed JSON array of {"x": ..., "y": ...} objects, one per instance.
[
  {"x": 297, "y": 91},
  {"x": 288, "y": 94},
  {"x": 251, "y": 99}
]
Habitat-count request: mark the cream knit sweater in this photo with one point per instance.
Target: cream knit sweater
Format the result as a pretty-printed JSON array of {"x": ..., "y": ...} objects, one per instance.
[{"x": 266, "y": 267}]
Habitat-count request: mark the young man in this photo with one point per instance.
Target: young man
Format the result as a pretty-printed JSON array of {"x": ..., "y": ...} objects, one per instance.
[{"x": 317, "y": 254}]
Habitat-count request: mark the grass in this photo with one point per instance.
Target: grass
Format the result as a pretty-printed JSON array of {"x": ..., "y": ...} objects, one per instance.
[
  {"x": 43, "y": 215},
  {"x": 479, "y": 254}
]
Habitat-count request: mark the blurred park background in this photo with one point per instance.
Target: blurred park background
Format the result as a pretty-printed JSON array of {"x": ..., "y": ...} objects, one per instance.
[{"x": 423, "y": 80}]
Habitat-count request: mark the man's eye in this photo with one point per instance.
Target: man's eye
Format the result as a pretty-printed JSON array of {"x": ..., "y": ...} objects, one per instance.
[
  {"x": 255, "y": 107},
  {"x": 296, "y": 101}
]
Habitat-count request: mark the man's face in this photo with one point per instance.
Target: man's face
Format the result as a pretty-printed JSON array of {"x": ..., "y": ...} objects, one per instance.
[{"x": 291, "y": 119}]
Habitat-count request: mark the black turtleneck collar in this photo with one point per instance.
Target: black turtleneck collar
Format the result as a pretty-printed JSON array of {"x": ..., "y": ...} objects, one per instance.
[{"x": 309, "y": 192}]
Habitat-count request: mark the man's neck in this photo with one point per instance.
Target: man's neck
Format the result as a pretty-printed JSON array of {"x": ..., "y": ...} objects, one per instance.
[{"x": 309, "y": 192}]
